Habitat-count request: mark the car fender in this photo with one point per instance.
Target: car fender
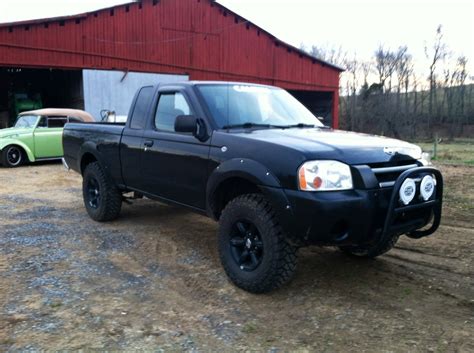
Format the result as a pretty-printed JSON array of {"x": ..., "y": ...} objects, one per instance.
[
  {"x": 4, "y": 142},
  {"x": 251, "y": 171}
]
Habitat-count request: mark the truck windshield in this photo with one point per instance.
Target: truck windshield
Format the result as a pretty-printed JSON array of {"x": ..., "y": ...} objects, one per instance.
[
  {"x": 26, "y": 121},
  {"x": 250, "y": 106}
]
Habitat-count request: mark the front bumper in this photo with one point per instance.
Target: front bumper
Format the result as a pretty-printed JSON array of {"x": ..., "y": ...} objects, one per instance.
[{"x": 358, "y": 217}]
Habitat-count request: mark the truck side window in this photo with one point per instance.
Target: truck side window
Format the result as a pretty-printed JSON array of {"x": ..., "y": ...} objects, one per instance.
[
  {"x": 170, "y": 105},
  {"x": 138, "y": 118}
]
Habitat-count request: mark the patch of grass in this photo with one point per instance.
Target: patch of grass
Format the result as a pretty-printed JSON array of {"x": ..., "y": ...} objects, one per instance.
[
  {"x": 458, "y": 151},
  {"x": 249, "y": 327},
  {"x": 458, "y": 198},
  {"x": 55, "y": 305}
]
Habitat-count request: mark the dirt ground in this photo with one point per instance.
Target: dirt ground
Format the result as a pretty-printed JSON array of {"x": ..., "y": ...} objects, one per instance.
[{"x": 152, "y": 280}]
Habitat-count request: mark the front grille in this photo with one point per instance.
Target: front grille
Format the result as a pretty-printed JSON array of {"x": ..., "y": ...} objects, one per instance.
[{"x": 387, "y": 174}]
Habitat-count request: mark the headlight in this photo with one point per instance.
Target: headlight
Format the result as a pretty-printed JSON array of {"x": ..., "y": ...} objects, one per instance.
[
  {"x": 425, "y": 159},
  {"x": 324, "y": 176}
]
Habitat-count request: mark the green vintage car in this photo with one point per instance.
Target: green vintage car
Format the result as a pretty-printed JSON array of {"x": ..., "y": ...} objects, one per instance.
[{"x": 37, "y": 135}]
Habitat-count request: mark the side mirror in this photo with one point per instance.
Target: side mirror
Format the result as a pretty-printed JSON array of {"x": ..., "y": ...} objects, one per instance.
[
  {"x": 186, "y": 123},
  {"x": 191, "y": 124}
]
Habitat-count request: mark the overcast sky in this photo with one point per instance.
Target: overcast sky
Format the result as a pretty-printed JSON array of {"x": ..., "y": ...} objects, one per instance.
[{"x": 358, "y": 26}]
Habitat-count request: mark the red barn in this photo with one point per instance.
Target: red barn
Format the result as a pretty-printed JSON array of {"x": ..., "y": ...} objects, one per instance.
[{"x": 72, "y": 61}]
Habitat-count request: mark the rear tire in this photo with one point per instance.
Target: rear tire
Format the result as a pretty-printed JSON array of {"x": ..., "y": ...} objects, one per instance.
[
  {"x": 102, "y": 198},
  {"x": 13, "y": 156},
  {"x": 252, "y": 246},
  {"x": 371, "y": 251}
]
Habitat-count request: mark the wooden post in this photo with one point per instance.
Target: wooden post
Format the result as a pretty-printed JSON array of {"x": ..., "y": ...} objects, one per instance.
[{"x": 435, "y": 146}]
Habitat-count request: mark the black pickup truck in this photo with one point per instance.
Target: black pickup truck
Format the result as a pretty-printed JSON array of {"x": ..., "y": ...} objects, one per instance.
[{"x": 256, "y": 160}]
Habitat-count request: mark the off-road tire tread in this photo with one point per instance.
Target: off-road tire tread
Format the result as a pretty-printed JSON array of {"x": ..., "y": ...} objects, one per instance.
[
  {"x": 374, "y": 251},
  {"x": 284, "y": 262},
  {"x": 111, "y": 204}
]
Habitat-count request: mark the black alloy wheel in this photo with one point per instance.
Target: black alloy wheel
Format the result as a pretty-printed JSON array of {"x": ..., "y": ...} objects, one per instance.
[
  {"x": 93, "y": 192},
  {"x": 246, "y": 245},
  {"x": 102, "y": 198},
  {"x": 253, "y": 247}
]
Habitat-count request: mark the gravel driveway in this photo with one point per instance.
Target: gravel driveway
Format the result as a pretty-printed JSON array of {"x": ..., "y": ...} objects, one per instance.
[{"x": 152, "y": 280}]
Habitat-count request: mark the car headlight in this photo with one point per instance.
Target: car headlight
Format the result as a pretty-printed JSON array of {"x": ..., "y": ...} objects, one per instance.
[
  {"x": 324, "y": 176},
  {"x": 425, "y": 159}
]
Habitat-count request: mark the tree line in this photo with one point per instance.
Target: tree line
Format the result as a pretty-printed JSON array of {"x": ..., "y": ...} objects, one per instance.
[{"x": 386, "y": 95}]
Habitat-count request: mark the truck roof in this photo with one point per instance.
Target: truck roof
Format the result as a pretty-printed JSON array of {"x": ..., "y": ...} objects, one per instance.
[{"x": 223, "y": 83}]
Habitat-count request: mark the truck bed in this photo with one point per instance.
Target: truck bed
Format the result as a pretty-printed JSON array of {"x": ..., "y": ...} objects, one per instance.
[{"x": 99, "y": 135}]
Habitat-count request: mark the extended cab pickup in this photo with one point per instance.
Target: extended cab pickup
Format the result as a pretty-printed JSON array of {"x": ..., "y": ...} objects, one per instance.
[{"x": 256, "y": 160}]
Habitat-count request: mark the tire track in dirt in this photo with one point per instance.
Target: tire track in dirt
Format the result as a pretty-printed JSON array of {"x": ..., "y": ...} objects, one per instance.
[
  {"x": 152, "y": 279},
  {"x": 428, "y": 262}
]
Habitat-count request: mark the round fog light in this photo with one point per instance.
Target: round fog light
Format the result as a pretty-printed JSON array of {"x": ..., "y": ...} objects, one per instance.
[
  {"x": 407, "y": 191},
  {"x": 427, "y": 187}
]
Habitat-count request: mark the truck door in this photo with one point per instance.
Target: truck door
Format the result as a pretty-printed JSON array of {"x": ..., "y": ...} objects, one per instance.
[
  {"x": 48, "y": 137},
  {"x": 174, "y": 165},
  {"x": 131, "y": 143}
]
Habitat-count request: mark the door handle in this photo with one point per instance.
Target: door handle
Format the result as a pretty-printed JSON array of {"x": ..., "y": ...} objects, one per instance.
[{"x": 148, "y": 143}]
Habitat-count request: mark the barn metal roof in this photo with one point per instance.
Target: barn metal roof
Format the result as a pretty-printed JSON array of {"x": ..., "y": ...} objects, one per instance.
[{"x": 87, "y": 14}]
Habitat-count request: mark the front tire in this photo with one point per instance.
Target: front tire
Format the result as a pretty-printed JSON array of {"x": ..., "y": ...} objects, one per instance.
[
  {"x": 102, "y": 199},
  {"x": 252, "y": 246},
  {"x": 372, "y": 251},
  {"x": 13, "y": 156}
]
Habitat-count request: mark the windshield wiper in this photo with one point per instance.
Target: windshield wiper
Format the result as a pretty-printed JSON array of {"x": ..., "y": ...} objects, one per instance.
[
  {"x": 297, "y": 125},
  {"x": 248, "y": 125},
  {"x": 303, "y": 125}
]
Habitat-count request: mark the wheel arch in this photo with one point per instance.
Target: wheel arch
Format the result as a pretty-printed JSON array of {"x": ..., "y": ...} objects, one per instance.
[
  {"x": 88, "y": 154},
  {"x": 236, "y": 177},
  {"x": 11, "y": 142},
  {"x": 86, "y": 159}
]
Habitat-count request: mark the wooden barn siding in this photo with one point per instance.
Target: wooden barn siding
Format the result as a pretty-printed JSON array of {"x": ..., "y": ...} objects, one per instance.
[{"x": 195, "y": 37}]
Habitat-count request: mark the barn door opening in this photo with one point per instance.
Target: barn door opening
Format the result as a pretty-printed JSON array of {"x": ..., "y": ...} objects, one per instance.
[
  {"x": 28, "y": 89},
  {"x": 319, "y": 103}
]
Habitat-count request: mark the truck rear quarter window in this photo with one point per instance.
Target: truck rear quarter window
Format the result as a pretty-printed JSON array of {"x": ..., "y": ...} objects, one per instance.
[
  {"x": 170, "y": 105},
  {"x": 138, "y": 118}
]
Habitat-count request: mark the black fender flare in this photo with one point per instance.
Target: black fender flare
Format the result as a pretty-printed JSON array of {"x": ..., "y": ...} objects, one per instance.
[
  {"x": 251, "y": 171},
  {"x": 89, "y": 147}
]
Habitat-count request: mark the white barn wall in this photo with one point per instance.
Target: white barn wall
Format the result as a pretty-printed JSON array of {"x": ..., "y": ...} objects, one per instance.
[{"x": 114, "y": 90}]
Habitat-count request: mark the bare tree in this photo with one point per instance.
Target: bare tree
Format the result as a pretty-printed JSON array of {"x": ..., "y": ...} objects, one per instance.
[
  {"x": 352, "y": 67},
  {"x": 436, "y": 53},
  {"x": 366, "y": 68},
  {"x": 459, "y": 77},
  {"x": 385, "y": 94},
  {"x": 333, "y": 55},
  {"x": 403, "y": 68},
  {"x": 385, "y": 66}
]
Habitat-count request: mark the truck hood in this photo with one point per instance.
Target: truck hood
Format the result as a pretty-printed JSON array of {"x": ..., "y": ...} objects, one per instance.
[
  {"x": 347, "y": 147},
  {"x": 13, "y": 132}
]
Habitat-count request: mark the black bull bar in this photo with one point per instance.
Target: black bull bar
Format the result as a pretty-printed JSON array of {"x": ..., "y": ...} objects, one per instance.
[{"x": 435, "y": 203}]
